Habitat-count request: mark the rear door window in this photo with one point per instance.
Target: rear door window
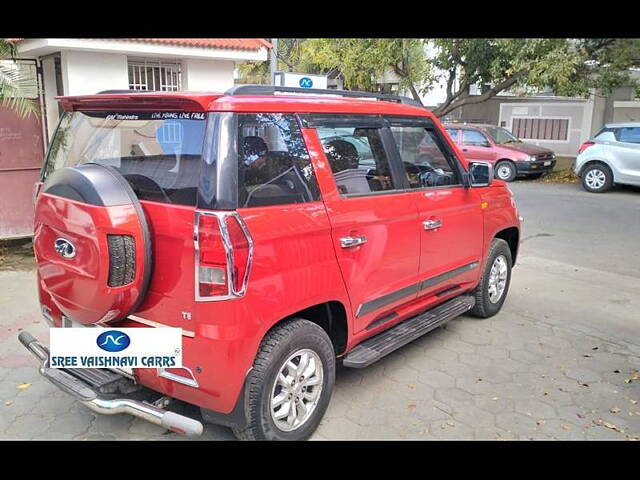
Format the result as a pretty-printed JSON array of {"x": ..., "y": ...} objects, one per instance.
[
  {"x": 158, "y": 153},
  {"x": 273, "y": 162},
  {"x": 473, "y": 138},
  {"x": 629, "y": 134}
]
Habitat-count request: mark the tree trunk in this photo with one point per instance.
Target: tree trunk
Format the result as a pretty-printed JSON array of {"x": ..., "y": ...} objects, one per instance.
[
  {"x": 415, "y": 94},
  {"x": 449, "y": 107}
]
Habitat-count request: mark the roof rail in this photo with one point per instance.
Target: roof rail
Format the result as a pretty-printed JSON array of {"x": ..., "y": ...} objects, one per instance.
[{"x": 272, "y": 89}]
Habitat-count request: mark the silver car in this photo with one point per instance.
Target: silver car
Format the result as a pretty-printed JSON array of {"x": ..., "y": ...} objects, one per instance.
[{"x": 611, "y": 156}]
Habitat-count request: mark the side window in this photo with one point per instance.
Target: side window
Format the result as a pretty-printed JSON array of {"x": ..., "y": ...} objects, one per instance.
[
  {"x": 474, "y": 138},
  {"x": 608, "y": 134},
  {"x": 425, "y": 161},
  {"x": 453, "y": 133},
  {"x": 629, "y": 134},
  {"x": 357, "y": 159},
  {"x": 274, "y": 165}
]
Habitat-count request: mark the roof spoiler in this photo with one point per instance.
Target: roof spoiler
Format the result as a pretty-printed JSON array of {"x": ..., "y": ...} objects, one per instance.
[
  {"x": 135, "y": 100},
  {"x": 272, "y": 89}
]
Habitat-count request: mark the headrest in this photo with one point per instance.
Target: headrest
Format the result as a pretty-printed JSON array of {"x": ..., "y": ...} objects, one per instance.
[
  {"x": 253, "y": 145},
  {"x": 343, "y": 154}
]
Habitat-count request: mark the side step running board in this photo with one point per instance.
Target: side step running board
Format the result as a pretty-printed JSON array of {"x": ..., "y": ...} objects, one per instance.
[{"x": 374, "y": 348}]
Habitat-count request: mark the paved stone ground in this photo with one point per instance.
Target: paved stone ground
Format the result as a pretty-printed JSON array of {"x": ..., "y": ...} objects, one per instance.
[
  {"x": 518, "y": 375},
  {"x": 560, "y": 361}
]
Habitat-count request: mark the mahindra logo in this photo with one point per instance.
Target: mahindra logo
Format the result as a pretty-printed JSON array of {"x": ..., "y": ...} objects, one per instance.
[
  {"x": 113, "y": 341},
  {"x": 65, "y": 248}
]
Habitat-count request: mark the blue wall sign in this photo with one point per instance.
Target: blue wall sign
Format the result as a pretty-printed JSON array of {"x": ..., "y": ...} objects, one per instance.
[{"x": 306, "y": 82}]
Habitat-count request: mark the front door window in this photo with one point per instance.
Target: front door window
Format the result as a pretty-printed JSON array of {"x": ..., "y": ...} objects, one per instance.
[{"x": 425, "y": 162}]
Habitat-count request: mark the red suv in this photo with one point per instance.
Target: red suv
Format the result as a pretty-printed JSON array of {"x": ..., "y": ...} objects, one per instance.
[
  {"x": 281, "y": 233},
  {"x": 511, "y": 156}
]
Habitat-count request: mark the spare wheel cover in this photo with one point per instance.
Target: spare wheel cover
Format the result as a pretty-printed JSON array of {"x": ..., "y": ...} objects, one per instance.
[{"x": 92, "y": 244}]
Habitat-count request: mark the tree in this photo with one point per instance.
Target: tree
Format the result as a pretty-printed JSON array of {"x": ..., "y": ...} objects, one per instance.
[
  {"x": 289, "y": 59},
  {"x": 571, "y": 67},
  {"x": 14, "y": 84},
  {"x": 363, "y": 62}
]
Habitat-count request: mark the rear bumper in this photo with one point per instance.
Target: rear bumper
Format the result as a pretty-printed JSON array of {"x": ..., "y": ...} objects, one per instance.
[
  {"x": 217, "y": 359},
  {"x": 530, "y": 168},
  {"x": 575, "y": 169},
  {"x": 84, "y": 393}
]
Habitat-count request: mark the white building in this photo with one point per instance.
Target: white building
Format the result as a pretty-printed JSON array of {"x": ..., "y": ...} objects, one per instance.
[
  {"x": 559, "y": 123},
  {"x": 74, "y": 66}
]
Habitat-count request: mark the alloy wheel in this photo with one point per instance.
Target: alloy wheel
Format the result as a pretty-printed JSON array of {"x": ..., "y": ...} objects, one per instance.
[
  {"x": 296, "y": 390},
  {"x": 498, "y": 278},
  {"x": 595, "y": 179}
]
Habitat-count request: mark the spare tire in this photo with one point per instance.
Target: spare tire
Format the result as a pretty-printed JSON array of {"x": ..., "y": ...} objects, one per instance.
[{"x": 92, "y": 244}]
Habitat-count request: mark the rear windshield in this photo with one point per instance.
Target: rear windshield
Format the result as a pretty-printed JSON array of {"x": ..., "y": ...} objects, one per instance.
[{"x": 157, "y": 152}]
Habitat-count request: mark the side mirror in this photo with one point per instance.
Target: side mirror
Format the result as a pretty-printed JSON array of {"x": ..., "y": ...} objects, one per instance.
[{"x": 480, "y": 174}]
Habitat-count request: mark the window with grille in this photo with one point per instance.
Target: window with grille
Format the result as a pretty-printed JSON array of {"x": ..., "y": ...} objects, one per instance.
[
  {"x": 541, "y": 128},
  {"x": 158, "y": 75}
]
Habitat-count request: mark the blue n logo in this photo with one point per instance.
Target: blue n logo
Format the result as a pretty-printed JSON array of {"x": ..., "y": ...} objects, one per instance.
[{"x": 306, "y": 82}]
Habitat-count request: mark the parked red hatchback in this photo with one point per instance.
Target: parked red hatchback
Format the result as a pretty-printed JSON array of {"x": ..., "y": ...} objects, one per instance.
[
  {"x": 510, "y": 156},
  {"x": 281, "y": 233}
]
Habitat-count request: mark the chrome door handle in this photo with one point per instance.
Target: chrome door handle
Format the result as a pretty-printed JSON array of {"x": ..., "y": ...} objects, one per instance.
[
  {"x": 431, "y": 224},
  {"x": 348, "y": 242}
]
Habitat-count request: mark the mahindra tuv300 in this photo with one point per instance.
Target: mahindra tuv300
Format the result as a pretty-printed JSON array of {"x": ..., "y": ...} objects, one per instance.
[{"x": 282, "y": 232}]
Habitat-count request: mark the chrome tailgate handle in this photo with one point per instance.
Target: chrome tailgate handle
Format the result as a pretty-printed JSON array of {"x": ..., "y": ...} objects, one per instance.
[
  {"x": 348, "y": 242},
  {"x": 431, "y": 224}
]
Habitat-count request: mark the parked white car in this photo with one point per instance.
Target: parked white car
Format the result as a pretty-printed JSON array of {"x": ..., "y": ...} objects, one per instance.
[{"x": 611, "y": 156}]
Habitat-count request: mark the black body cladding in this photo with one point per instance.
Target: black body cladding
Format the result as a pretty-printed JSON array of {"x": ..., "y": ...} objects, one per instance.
[{"x": 90, "y": 183}]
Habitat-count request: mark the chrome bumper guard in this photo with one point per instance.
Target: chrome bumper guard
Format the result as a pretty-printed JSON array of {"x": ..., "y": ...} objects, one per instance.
[{"x": 87, "y": 396}]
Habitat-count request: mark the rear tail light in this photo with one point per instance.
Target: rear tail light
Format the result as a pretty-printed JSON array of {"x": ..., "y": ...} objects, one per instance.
[
  {"x": 223, "y": 255},
  {"x": 212, "y": 258},
  {"x": 584, "y": 146},
  {"x": 240, "y": 252}
]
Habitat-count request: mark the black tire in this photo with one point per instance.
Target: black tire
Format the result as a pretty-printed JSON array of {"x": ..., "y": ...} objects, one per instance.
[
  {"x": 281, "y": 342},
  {"x": 507, "y": 166},
  {"x": 604, "y": 170},
  {"x": 484, "y": 307}
]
